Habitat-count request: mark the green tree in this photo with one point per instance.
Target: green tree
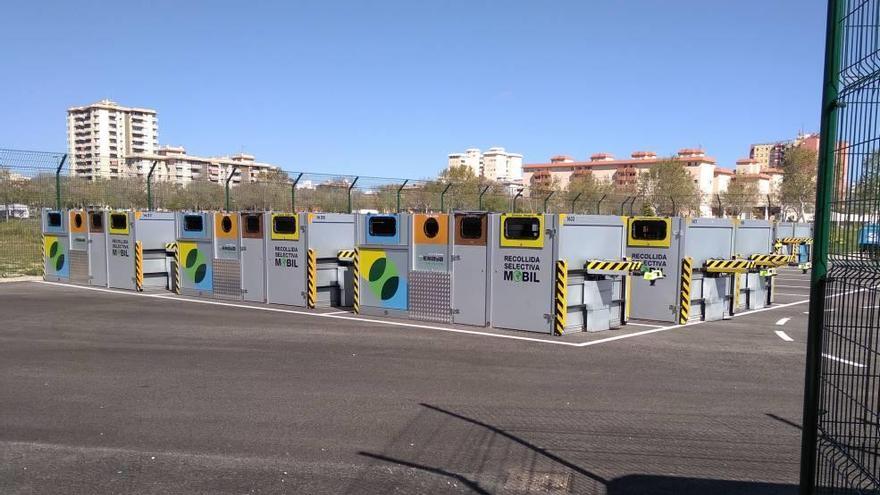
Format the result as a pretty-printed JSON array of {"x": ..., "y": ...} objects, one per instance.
[
  {"x": 740, "y": 196},
  {"x": 668, "y": 188},
  {"x": 798, "y": 190}
]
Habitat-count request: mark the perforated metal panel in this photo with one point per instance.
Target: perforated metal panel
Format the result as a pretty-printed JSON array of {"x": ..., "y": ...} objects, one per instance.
[
  {"x": 227, "y": 278},
  {"x": 429, "y": 296},
  {"x": 79, "y": 267}
]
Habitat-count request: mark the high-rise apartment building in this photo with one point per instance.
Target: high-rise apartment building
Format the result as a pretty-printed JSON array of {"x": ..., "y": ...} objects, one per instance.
[
  {"x": 495, "y": 164},
  {"x": 772, "y": 155},
  {"x": 108, "y": 141},
  {"x": 102, "y": 135}
]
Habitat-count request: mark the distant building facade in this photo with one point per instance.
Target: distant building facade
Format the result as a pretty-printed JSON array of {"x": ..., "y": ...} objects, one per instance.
[
  {"x": 494, "y": 164},
  {"x": 624, "y": 173},
  {"x": 772, "y": 155},
  {"x": 108, "y": 141},
  {"x": 102, "y": 135}
]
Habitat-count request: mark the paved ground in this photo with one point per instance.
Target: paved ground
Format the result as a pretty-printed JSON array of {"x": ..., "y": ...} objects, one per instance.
[{"x": 120, "y": 393}]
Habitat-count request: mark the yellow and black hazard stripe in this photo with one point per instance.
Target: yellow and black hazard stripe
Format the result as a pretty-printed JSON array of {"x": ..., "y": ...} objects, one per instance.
[
  {"x": 177, "y": 271},
  {"x": 345, "y": 255},
  {"x": 560, "y": 299},
  {"x": 684, "y": 302},
  {"x": 796, "y": 240},
  {"x": 43, "y": 252},
  {"x": 769, "y": 260},
  {"x": 138, "y": 266},
  {"x": 727, "y": 266},
  {"x": 171, "y": 247},
  {"x": 627, "y": 292},
  {"x": 612, "y": 266},
  {"x": 356, "y": 281},
  {"x": 311, "y": 278}
]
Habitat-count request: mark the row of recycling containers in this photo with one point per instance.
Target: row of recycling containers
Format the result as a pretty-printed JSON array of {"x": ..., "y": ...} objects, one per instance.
[{"x": 532, "y": 272}]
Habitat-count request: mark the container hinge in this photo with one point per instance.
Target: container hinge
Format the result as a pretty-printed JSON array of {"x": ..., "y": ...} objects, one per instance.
[
  {"x": 455, "y": 257},
  {"x": 243, "y": 248},
  {"x": 548, "y": 316},
  {"x": 550, "y": 233},
  {"x": 455, "y": 311}
]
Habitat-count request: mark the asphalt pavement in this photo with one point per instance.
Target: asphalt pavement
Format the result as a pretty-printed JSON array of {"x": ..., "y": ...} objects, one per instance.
[{"x": 104, "y": 392}]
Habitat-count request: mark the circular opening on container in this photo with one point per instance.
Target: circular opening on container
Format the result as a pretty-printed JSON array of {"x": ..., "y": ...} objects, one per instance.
[
  {"x": 226, "y": 224},
  {"x": 78, "y": 220},
  {"x": 431, "y": 228},
  {"x": 97, "y": 221}
]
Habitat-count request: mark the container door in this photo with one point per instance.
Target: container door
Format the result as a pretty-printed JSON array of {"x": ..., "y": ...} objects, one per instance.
[
  {"x": 429, "y": 279},
  {"x": 469, "y": 264},
  {"x": 56, "y": 246},
  {"x": 523, "y": 274},
  {"x": 285, "y": 260},
  {"x": 253, "y": 258},
  {"x": 655, "y": 241},
  {"x": 227, "y": 265},
  {"x": 120, "y": 273},
  {"x": 97, "y": 249},
  {"x": 194, "y": 248},
  {"x": 79, "y": 247}
]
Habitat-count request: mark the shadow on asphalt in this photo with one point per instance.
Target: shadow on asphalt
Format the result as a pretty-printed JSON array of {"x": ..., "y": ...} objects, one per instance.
[{"x": 553, "y": 474}]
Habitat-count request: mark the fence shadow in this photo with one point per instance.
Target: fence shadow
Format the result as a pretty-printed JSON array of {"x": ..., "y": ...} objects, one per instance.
[{"x": 535, "y": 468}]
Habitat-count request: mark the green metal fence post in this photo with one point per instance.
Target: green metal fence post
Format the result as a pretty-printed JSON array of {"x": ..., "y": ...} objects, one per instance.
[
  {"x": 229, "y": 178},
  {"x": 623, "y": 204},
  {"x": 821, "y": 231},
  {"x": 632, "y": 203},
  {"x": 398, "y": 193},
  {"x": 480, "y": 200},
  {"x": 443, "y": 195},
  {"x": 58, "y": 182},
  {"x": 518, "y": 194},
  {"x": 575, "y": 201},
  {"x": 350, "y": 187},
  {"x": 548, "y": 199},
  {"x": 293, "y": 193},
  {"x": 150, "y": 185}
]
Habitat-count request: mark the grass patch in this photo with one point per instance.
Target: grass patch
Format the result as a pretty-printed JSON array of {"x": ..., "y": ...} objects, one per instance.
[{"x": 20, "y": 250}]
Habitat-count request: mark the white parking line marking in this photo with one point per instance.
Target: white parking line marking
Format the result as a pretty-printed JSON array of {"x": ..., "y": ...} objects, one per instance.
[
  {"x": 789, "y": 294},
  {"x": 870, "y": 307},
  {"x": 807, "y": 312},
  {"x": 844, "y": 361},
  {"x": 782, "y": 321},
  {"x": 424, "y": 327},
  {"x": 784, "y": 336},
  {"x": 805, "y": 287}
]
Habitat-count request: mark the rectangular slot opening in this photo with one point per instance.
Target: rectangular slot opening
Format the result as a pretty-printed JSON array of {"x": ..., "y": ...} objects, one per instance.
[
  {"x": 522, "y": 228},
  {"x": 97, "y": 221},
  {"x": 193, "y": 223},
  {"x": 649, "y": 230},
  {"x": 53, "y": 219},
  {"x": 118, "y": 221},
  {"x": 471, "y": 227},
  {"x": 252, "y": 224},
  {"x": 383, "y": 226},
  {"x": 284, "y": 224}
]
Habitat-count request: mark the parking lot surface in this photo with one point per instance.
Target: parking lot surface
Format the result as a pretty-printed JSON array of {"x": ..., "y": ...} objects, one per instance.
[{"x": 116, "y": 392}]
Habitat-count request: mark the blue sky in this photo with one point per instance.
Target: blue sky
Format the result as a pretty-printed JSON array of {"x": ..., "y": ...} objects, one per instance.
[{"x": 389, "y": 88}]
